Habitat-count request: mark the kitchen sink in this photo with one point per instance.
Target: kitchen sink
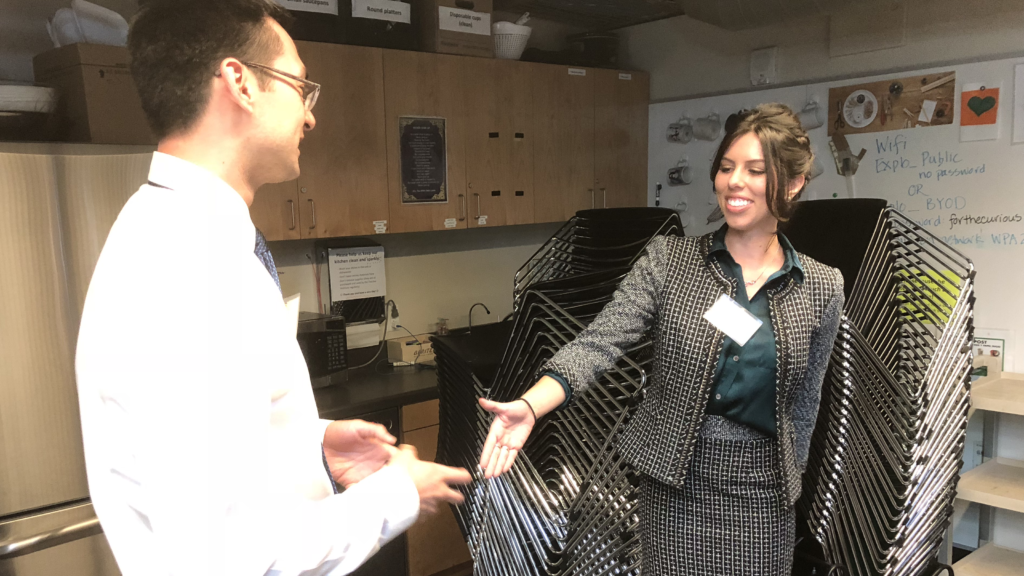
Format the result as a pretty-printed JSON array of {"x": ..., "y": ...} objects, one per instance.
[{"x": 481, "y": 349}]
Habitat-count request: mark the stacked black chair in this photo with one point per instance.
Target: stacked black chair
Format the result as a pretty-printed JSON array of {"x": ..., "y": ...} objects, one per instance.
[
  {"x": 888, "y": 443},
  {"x": 567, "y": 506},
  {"x": 885, "y": 452}
]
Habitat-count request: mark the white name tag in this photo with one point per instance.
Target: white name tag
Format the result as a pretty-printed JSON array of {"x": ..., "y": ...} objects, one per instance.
[{"x": 733, "y": 319}]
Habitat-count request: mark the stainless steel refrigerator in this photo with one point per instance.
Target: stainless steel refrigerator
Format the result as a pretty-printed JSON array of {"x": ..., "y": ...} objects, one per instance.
[{"x": 55, "y": 212}]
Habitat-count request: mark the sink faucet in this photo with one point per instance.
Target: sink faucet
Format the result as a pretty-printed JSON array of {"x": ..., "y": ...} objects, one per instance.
[{"x": 470, "y": 331}]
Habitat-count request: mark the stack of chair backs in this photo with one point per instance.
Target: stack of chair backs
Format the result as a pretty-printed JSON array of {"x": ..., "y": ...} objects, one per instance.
[
  {"x": 885, "y": 452},
  {"x": 567, "y": 506},
  {"x": 887, "y": 447}
]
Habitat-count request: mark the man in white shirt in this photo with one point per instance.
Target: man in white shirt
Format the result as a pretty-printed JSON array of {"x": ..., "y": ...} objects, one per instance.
[{"x": 202, "y": 441}]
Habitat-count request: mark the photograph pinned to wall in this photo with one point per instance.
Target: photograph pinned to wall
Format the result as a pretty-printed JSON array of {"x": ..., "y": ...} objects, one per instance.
[
  {"x": 1018, "y": 103},
  {"x": 979, "y": 111},
  {"x": 895, "y": 104},
  {"x": 423, "y": 150}
]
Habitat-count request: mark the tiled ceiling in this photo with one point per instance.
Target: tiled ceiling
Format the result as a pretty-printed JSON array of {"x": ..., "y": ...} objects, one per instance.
[{"x": 595, "y": 15}]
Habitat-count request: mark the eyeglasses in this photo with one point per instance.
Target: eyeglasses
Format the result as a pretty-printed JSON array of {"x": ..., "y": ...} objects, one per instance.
[{"x": 310, "y": 90}]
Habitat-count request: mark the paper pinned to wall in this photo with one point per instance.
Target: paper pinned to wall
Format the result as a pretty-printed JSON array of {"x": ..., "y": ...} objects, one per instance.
[
  {"x": 979, "y": 111},
  {"x": 356, "y": 272}
]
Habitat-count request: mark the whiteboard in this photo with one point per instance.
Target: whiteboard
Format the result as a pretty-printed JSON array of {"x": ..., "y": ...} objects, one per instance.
[{"x": 975, "y": 179}]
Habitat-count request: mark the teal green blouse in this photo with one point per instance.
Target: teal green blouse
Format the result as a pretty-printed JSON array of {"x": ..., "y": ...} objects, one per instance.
[{"x": 744, "y": 386}]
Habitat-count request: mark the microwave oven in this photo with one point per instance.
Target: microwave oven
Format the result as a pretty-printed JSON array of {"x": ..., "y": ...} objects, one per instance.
[{"x": 323, "y": 344}]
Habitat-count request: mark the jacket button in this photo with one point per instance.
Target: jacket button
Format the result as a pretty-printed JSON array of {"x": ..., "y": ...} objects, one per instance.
[
  {"x": 735, "y": 358},
  {"x": 718, "y": 396}
]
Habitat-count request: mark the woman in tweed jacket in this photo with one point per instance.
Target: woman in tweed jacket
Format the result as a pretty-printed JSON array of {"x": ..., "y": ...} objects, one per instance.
[{"x": 721, "y": 437}]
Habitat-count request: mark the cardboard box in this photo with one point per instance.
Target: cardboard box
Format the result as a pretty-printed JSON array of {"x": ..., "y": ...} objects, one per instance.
[
  {"x": 99, "y": 103},
  {"x": 407, "y": 349},
  {"x": 455, "y": 26}
]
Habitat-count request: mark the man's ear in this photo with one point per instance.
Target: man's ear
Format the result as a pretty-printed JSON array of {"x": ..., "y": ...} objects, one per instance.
[
  {"x": 238, "y": 81},
  {"x": 796, "y": 184}
]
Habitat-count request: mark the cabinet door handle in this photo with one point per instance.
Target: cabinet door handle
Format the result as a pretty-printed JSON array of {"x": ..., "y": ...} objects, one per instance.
[
  {"x": 312, "y": 211},
  {"x": 477, "y": 205},
  {"x": 592, "y": 202},
  {"x": 462, "y": 207},
  {"x": 291, "y": 207},
  {"x": 604, "y": 196}
]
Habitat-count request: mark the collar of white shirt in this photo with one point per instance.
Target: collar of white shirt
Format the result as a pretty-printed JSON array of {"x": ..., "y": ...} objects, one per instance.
[{"x": 180, "y": 175}]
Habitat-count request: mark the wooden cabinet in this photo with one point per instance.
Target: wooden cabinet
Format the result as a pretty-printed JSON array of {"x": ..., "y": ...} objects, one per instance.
[
  {"x": 499, "y": 142},
  {"x": 343, "y": 183},
  {"x": 435, "y": 541},
  {"x": 419, "y": 84},
  {"x": 591, "y": 140},
  {"x": 525, "y": 143},
  {"x": 563, "y": 137},
  {"x": 620, "y": 137},
  {"x": 275, "y": 211},
  {"x": 342, "y": 188}
]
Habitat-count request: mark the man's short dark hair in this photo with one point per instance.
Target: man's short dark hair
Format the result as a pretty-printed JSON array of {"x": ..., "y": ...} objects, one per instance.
[{"x": 176, "y": 46}]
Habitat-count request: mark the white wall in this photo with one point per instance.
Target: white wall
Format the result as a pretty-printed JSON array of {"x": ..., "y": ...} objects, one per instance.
[
  {"x": 687, "y": 58},
  {"x": 432, "y": 275}
]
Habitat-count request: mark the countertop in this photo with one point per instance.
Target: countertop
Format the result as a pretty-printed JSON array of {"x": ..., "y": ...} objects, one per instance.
[
  {"x": 376, "y": 388},
  {"x": 382, "y": 386}
]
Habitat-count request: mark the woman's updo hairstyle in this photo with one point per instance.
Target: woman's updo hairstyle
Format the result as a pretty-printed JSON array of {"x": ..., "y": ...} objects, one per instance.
[{"x": 786, "y": 148}]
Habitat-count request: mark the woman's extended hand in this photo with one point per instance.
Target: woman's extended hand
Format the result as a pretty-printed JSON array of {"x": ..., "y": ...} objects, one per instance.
[{"x": 512, "y": 424}]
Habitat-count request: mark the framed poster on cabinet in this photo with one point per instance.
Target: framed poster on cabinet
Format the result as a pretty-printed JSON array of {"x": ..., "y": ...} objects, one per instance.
[{"x": 424, "y": 160}]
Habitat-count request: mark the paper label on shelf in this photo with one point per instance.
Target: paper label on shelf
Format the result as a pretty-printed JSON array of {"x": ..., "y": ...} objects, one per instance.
[
  {"x": 382, "y": 10},
  {"x": 320, "y": 6},
  {"x": 625, "y": 76},
  {"x": 577, "y": 72},
  {"x": 468, "y": 21},
  {"x": 450, "y": 222},
  {"x": 481, "y": 221},
  {"x": 380, "y": 226},
  {"x": 356, "y": 272}
]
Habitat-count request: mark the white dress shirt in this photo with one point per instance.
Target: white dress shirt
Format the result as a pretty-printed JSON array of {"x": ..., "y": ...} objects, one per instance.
[{"x": 202, "y": 441}]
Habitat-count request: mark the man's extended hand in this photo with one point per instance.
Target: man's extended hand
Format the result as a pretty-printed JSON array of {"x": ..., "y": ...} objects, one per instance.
[
  {"x": 433, "y": 481},
  {"x": 355, "y": 449}
]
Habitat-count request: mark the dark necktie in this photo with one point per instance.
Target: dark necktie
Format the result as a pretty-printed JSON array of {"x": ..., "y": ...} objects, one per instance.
[{"x": 263, "y": 253}]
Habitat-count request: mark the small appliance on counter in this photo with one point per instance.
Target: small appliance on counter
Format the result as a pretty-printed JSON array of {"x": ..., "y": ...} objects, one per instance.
[{"x": 323, "y": 343}]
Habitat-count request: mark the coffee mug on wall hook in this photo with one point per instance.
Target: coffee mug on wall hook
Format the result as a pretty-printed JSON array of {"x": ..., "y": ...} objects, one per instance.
[
  {"x": 681, "y": 174},
  {"x": 708, "y": 127},
  {"x": 680, "y": 132},
  {"x": 812, "y": 116}
]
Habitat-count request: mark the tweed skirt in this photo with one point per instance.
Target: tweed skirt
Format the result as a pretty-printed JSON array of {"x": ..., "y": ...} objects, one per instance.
[{"x": 730, "y": 517}]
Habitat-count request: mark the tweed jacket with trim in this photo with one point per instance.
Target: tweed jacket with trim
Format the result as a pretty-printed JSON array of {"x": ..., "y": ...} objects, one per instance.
[{"x": 668, "y": 290}]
